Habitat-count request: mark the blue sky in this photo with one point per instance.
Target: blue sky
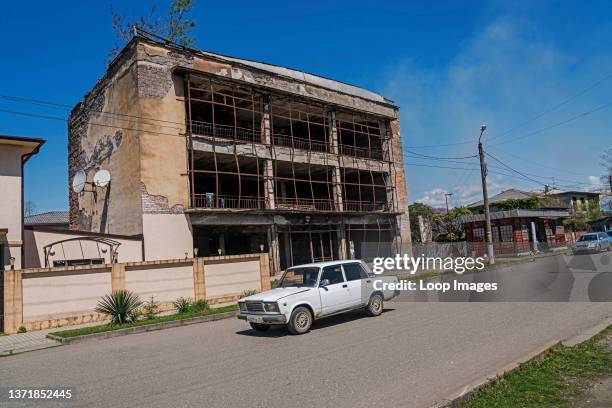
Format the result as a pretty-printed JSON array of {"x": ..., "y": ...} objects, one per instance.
[{"x": 449, "y": 65}]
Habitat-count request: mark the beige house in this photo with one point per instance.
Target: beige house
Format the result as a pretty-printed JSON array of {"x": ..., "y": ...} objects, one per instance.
[{"x": 14, "y": 153}]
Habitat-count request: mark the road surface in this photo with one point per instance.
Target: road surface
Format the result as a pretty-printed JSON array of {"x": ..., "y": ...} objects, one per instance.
[{"x": 413, "y": 355}]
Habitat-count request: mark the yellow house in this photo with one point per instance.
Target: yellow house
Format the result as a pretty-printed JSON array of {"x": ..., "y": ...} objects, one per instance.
[{"x": 14, "y": 153}]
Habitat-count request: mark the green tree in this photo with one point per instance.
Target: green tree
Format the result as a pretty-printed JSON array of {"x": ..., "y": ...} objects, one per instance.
[
  {"x": 414, "y": 210},
  {"x": 448, "y": 227},
  {"x": 175, "y": 26}
]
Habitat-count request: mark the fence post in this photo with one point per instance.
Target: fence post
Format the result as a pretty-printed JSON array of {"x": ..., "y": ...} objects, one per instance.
[
  {"x": 117, "y": 277},
  {"x": 13, "y": 301},
  {"x": 199, "y": 280},
  {"x": 264, "y": 271}
]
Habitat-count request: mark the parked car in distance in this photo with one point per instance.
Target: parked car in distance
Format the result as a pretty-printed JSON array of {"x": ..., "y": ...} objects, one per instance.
[
  {"x": 306, "y": 293},
  {"x": 592, "y": 242}
]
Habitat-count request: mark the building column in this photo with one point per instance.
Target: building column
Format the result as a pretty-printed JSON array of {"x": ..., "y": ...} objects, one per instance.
[
  {"x": 273, "y": 250},
  {"x": 117, "y": 277},
  {"x": 13, "y": 301},
  {"x": 269, "y": 195},
  {"x": 342, "y": 254},
  {"x": 402, "y": 241},
  {"x": 199, "y": 285}
]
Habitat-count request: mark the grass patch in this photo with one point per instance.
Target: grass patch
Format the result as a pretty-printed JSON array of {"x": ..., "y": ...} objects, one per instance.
[
  {"x": 158, "y": 319},
  {"x": 553, "y": 381}
]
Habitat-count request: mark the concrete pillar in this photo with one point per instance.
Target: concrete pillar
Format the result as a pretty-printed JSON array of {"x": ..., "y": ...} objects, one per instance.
[
  {"x": 117, "y": 277},
  {"x": 264, "y": 271},
  {"x": 337, "y": 188},
  {"x": 13, "y": 301},
  {"x": 199, "y": 279},
  {"x": 266, "y": 133},
  {"x": 269, "y": 185},
  {"x": 333, "y": 133},
  {"x": 342, "y": 252},
  {"x": 273, "y": 250},
  {"x": 534, "y": 237},
  {"x": 402, "y": 241}
]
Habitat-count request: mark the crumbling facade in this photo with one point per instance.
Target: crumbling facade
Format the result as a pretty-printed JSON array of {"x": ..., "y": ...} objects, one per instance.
[{"x": 230, "y": 156}]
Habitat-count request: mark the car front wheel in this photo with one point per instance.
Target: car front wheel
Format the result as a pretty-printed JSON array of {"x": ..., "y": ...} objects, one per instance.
[
  {"x": 260, "y": 327},
  {"x": 301, "y": 321},
  {"x": 375, "y": 305}
]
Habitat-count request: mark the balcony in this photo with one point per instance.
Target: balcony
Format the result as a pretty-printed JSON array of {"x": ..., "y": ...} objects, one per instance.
[
  {"x": 305, "y": 204},
  {"x": 361, "y": 152},
  {"x": 229, "y": 202},
  {"x": 300, "y": 143},
  {"x": 225, "y": 132},
  {"x": 365, "y": 206}
]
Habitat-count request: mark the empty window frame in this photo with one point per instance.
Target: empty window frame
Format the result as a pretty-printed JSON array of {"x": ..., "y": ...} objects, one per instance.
[
  {"x": 223, "y": 110},
  {"x": 299, "y": 125},
  {"x": 363, "y": 191},
  {"x": 360, "y": 135},
  {"x": 369, "y": 241},
  {"x": 223, "y": 181},
  {"x": 305, "y": 187}
]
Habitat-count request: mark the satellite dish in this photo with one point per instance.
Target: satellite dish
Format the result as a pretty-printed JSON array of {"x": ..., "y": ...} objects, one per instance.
[
  {"x": 78, "y": 181},
  {"x": 102, "y": 178}
]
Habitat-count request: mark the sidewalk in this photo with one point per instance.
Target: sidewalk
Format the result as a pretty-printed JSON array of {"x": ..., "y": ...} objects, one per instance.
[{"x": 35, "y": 340}]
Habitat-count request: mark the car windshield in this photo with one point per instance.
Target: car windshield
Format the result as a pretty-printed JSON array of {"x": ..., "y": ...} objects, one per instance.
[
  {"x": 589, "y": 237},
  {"x": 296, "y": 277}
]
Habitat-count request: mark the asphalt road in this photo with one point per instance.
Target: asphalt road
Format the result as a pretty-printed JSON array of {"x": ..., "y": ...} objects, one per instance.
[{"x": 415, "y": 354}]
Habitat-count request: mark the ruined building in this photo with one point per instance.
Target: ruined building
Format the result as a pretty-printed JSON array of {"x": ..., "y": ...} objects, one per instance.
[{"x": 232, "y": 156}]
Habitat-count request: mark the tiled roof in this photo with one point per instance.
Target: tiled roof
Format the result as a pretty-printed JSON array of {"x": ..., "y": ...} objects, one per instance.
[{"x": 47, "y": 218}]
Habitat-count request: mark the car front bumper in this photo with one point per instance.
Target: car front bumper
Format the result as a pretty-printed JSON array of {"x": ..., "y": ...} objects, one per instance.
[{"x": 263, "y": 318}]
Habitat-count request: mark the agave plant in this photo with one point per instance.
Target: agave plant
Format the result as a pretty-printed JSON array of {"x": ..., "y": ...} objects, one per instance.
[{"x": 122, "y": 306}]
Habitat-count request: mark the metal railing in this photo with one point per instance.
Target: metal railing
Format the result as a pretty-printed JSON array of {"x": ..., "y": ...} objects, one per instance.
[
  {"x": 300, "y": 143},
  {"x": 225, "y": 132},
  {"x": 364, "y": 206},
  {"x": 211, "y": 200},
  {"x": 305, "y": 204},
  {"x": 348, "y": 150}
]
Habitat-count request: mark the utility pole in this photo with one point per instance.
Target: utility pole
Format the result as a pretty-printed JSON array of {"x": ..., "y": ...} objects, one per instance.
[
  {"x": 485, "y": 195},
  {"x": 446, "y": 195}
]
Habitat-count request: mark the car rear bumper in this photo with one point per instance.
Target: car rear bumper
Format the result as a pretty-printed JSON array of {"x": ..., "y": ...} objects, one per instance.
[{"x": 265, "y": 319}]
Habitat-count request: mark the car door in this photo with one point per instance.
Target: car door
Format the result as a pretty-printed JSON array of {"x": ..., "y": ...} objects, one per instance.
[
  {"x": 335, "y": 296},
  {"x": 356, "y": 278}
]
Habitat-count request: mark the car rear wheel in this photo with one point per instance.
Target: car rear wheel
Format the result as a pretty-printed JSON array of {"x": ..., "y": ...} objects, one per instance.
[
  {"x": 301, "y": 321},
  {"x": 260, "y": 327},
  {"x": 375, "y": 305}
]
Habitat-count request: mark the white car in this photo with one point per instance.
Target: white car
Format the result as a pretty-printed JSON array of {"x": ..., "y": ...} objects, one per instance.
[{"x": 309, "y": 292}]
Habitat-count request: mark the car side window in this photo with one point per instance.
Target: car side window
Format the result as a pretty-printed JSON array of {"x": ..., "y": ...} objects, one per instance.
[
  {"x": 354, "y": 271},
  {"x": 333, "y": 274}
]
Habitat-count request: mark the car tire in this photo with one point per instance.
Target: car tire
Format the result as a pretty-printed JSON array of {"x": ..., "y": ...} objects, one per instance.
[
  {"x": 300, "y": 321},
  {"x": 260, "y": 327},
  {"x": 375, "y": 305}
]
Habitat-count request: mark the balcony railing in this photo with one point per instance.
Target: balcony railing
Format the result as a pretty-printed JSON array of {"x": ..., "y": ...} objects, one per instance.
[
  {"x": 348, "y": 150},
  {"x": 213, "y": 201},
  {"x": 305, "y": 204},
  {"x": 300, "y": 143},
  {"x": 364, "y": 206},
  {"x": 225, "y": 132}
]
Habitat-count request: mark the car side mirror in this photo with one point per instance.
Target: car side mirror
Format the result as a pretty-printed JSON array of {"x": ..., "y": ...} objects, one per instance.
[{"x": 324, "y": 283}]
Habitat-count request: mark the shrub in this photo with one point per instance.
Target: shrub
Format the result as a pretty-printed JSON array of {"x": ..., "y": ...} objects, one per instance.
[
  {"x": 182, "y": 305},
  {"x": 122, "y": 306},
  {"x": 22, "y": 329},
  {"x": 199, "y": 305},
  {"x": 248, "y": 292},
  {"x": 150, "y": 308}
]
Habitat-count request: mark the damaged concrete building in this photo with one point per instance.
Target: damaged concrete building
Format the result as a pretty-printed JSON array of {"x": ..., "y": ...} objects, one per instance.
[{"x": 218, "y": 155}]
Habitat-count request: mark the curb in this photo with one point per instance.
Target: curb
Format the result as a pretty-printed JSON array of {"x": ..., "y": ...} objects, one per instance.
[
  {"x": 459, "y": 399},
  {"x": 143, "y": 329},
  {"x": 14, "y": 352}
]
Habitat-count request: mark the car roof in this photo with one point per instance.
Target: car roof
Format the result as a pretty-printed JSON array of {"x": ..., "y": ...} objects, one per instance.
[{"x": 327, "y": 263}]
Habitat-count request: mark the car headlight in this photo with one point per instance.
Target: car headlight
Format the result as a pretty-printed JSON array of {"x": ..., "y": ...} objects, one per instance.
[
  {"x": 242, "y": 306},
  {"x": 271, "y": 307}
]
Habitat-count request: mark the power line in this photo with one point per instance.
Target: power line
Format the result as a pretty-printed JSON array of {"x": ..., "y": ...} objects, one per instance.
[
  {"x": 441, "y": 158},
  {"x": 510, "y": 168},
  {"x": 557, "y": 106}
]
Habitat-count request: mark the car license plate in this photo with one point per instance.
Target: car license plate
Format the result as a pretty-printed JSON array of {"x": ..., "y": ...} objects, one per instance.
[{"x": 255, "y": 319}]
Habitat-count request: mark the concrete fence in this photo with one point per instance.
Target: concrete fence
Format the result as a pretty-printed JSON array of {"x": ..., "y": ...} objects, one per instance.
[{"x": 51, "y": 297}]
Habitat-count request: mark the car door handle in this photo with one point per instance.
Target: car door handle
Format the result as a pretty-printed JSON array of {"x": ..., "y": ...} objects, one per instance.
[
  {"x": 368, "y": 281},
  {"x": 345, "y": 285}
]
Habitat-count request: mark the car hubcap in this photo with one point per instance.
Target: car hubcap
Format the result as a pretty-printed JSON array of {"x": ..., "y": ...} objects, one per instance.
[
  {"x": 376, "y": 303},
  {"x": 302, "y": 320}
]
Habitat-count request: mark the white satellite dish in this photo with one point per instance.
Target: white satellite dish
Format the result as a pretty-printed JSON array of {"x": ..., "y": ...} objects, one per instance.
[
  {"x": 102, "y": 178},
  {"x": 78, "y": 181}
]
